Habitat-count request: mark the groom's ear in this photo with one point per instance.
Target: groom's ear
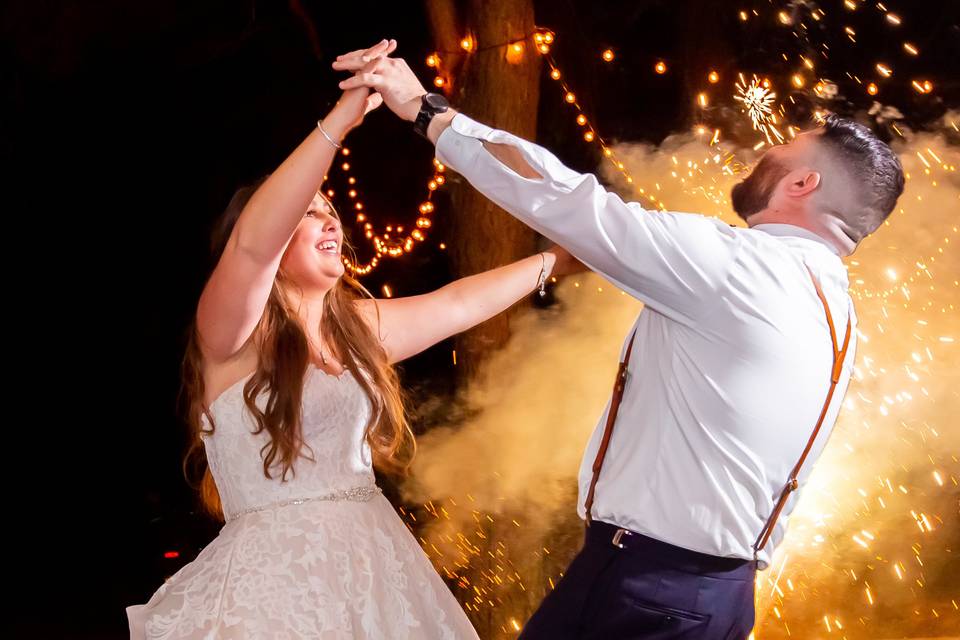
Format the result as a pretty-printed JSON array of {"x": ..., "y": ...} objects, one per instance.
[{"x": 802, "y": 183}]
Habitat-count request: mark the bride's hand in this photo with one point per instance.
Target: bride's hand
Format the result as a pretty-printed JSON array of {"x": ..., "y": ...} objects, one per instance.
[
  {"x": 356, "y": 104},
  {"x": 349, "y": 111},
  {"x": 357, "y": 60}
]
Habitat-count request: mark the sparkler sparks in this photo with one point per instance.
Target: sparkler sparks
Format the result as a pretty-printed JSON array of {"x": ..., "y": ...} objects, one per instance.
[{"x": 758, "y": 101}]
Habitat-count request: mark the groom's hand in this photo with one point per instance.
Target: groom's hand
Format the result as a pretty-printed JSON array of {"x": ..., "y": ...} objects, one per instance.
[{"x": 390, "y": 77}]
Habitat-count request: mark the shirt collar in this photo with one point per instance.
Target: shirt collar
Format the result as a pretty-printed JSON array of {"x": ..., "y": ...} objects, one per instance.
[{"x": 778, "y": 229}]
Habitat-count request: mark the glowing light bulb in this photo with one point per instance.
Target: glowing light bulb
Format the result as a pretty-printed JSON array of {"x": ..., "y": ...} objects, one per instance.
[{"x": 515, "y": 52}]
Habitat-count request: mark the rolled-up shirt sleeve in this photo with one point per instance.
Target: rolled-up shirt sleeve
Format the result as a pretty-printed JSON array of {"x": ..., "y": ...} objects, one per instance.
[{"x": 673, "y": 262}]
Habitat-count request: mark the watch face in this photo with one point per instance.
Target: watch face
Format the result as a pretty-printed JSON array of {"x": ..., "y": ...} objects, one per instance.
[{"x": 436, "y": 102}]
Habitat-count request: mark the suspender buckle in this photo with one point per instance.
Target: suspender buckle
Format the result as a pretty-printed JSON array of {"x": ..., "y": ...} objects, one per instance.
[{"x": 618, "y": 535}]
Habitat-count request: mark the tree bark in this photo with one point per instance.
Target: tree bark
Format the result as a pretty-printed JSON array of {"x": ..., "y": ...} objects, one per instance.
[{"x": 503, "y": 94}]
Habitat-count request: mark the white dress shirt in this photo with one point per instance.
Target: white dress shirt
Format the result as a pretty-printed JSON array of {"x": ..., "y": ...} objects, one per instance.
[{"x": 732, "y": 359}]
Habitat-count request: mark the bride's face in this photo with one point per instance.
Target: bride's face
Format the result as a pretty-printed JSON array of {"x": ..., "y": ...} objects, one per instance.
[{"x": 313, "y": 258}]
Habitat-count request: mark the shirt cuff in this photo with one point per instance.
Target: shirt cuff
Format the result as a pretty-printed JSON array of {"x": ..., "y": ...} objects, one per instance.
[{"x": 459, "y": 144}]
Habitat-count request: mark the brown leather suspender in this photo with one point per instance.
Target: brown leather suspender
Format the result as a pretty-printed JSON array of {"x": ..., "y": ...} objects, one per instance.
[
  {"x": 838, "y": 357},
  {"x": 618, "y": 385}
]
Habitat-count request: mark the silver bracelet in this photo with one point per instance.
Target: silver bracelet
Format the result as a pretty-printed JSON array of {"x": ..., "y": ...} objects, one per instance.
[
  {"x": 542, "y": 278},
  {"x": 325, "y": 135}
]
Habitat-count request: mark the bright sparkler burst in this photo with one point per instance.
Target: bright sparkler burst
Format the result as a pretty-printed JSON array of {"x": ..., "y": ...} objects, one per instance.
[{"x": 758, "y": 101}]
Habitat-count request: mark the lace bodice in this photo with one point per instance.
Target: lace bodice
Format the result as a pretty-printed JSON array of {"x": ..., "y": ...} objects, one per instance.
[{"x": 335, "y": 414}]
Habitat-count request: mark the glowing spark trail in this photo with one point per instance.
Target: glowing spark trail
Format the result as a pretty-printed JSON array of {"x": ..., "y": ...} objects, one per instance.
[{"x": 757, "y": 101}]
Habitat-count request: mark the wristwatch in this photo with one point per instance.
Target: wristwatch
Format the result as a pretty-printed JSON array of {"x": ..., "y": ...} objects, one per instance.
[{"x": 431, "y": 104}]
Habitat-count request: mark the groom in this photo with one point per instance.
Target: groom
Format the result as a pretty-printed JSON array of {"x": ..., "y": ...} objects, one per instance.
[{"x": 731, "y": 379}]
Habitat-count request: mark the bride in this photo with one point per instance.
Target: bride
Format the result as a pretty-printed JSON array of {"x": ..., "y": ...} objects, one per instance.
[{"x": 294, "y": 402}]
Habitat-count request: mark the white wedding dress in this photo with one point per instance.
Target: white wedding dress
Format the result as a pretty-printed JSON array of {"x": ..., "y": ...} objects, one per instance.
[{"x": 322, "y": 555}]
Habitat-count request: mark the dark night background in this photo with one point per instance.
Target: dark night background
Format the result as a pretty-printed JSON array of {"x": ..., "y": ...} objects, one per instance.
[{"x": 128, "y": 125}]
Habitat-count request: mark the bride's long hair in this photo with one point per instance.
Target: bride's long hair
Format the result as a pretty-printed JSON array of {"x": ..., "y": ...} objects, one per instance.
[{"x": 283, "y": 358}]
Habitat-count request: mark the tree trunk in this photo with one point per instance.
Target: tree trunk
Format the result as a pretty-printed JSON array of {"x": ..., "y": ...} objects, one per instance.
[{"x": 502, "y": 94}]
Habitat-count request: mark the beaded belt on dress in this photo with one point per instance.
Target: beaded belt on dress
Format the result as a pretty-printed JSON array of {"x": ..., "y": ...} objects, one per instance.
[{"x": 353, "y": 494}]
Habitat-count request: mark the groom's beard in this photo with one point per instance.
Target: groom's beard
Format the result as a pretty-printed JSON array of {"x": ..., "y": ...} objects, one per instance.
[{"x": 752, "y": 195}]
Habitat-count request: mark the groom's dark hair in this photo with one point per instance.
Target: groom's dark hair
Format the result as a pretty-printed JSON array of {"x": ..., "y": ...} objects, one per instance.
[{"x": 875, "y": 167}]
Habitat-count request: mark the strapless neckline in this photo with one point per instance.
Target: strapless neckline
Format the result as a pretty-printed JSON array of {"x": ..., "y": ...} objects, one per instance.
[{"x": 310, "y": 367}]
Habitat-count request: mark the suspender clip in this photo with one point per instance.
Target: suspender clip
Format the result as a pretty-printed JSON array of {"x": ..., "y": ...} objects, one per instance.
[{"x": 618, "y": 535}]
